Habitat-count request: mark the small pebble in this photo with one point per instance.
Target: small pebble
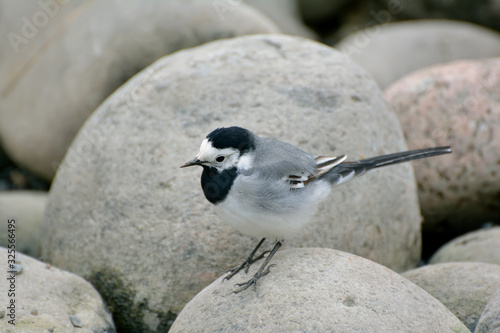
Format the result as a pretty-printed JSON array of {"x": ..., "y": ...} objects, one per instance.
[
  {"x": 34, "y": 312},
  {"x": 2, "y": 314},
  {"x": 51, "y": 329},
  {"x": 75, "y": 321}
]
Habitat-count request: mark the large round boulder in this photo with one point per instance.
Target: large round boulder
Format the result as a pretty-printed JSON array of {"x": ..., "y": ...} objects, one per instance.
[
  {"x": 123, "y": 214},
  {"x": 454, "y": 104},
  {"x": 317, "y": 290},
  {"x": 26, "y": 208},
  {"x": 489, "y": 322},
  {"x": 43, "y": 298},
  {"x": 61, "y": 59},
  {"x": 420, "y": 44},
  {"x": 463, "y": 287},
  {"x": 479, "y": 246}
]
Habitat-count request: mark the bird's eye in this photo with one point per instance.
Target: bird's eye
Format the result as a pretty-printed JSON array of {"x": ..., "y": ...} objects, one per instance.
[{"x": 220, "y": 158}]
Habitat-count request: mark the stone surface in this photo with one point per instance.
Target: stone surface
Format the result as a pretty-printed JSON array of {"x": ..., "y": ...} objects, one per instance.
[
  {"x": 455, "y": 104},
  {"x": 69, "y": 63},
  {"x": 479, "y": 246},
  {"x": 46, "y": 297},
  {"x": 143, "y": 223},
  {"x": 26, "y": 208},
  {"x": 489, "y": 322},
  {"x": 420, "y": 44},
  {"x": 463, "y": 287},
  {"x": 285, "y": 13},
  {"x": 317, "y": 290}
]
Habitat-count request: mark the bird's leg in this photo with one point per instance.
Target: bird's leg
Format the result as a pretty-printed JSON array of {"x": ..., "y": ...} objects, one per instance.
[
  {"x": 248, "y": 261},
  {"x": 260, "y": 273}
]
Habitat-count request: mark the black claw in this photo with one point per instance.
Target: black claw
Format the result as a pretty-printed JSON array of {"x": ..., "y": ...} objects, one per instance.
[
  {"x": 247, "y": 284},
  {"x": 267, "y": 270},
  {"x": 253, "y": 280}
]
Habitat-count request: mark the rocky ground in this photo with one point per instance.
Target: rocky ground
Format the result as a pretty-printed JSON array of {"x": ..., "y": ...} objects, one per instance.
[{"x": 103, "y": 101}]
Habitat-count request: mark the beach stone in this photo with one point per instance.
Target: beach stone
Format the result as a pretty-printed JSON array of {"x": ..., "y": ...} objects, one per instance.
[
  {"x": 456, "y": 104},
  {"x": 26, "y": 209},
  {"x": 122, "y": 214},
  {"x": 489, "y": 322},
  {"x": 421, "y": 43},
  {"x": 479, "y": 246},
  {"x": 47, "y": 297},
  {"x": 317, "y": 290},
  {"x": 62, "y": 59},
  {"x": 463, "y": 287}
]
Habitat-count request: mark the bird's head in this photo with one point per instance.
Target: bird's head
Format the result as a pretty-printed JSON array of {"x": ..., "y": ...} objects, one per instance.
[{"x": 225, "y": 148}]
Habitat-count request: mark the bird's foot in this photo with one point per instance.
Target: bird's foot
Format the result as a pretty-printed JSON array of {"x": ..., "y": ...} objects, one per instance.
[
  {"x": 253, "y": 280},
  {"x": 245, "y": 265}
]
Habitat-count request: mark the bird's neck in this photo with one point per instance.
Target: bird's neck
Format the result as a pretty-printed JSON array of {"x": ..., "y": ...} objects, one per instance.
[{"x": 216, "y": 184}]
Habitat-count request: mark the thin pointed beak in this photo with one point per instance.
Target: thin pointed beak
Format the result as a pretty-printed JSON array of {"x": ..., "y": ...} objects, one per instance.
[{"x": 194, "y": 161}]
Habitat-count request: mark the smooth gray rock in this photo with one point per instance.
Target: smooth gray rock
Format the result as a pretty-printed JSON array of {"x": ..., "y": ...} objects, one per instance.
[
  {"x": 26, "y": 208},
  {"x": 454, "y": 104},
  {"x": 480, "y": 246},
  {"x": 143, "y": 224},
  {"x": 463, "y": 287},
  {"x": 69, "y": 63},
  {"x": 317, "y": 290},
  {"x": 419, "y": 44},
  {"x": 489, "y": 322},
  {"x": 46, "y": 298}
]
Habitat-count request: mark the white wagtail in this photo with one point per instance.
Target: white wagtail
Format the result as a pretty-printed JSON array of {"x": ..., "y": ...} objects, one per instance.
[{"x": 268, "y": 188}]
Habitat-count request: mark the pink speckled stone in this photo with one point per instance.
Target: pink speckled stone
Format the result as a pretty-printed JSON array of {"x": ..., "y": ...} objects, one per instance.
[{"x": 455, "y": 104}]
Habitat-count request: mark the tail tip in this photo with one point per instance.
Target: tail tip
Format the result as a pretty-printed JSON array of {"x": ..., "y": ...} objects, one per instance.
[{"x": 446, "y": 149}]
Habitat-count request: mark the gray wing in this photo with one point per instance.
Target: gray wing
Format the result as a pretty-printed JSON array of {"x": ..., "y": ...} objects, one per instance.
[
  {"x": 287, "y": 163},
  {"x": 323, "y": 164}
]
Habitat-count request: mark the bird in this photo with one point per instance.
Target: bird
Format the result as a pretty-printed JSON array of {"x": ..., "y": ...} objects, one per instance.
[{"x": 270, "y": 189}]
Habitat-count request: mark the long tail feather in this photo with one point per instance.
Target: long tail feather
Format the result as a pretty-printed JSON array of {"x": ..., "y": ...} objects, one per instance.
[
  {"x": 389, "y": 159},
  {"x": 352, "y": 169}
]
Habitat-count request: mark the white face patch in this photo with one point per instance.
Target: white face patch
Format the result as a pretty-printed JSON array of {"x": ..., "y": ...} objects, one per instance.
[{"x": 209, "y": 154}]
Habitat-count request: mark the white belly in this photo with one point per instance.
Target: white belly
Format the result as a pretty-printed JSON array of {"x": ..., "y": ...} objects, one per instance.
[{"x": 251, "y": 220}]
